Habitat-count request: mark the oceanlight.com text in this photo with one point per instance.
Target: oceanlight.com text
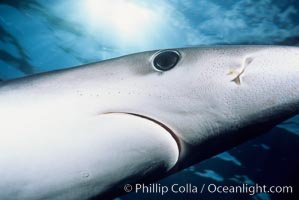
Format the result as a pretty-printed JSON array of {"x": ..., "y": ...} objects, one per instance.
[{"x": 157, "y": 188}]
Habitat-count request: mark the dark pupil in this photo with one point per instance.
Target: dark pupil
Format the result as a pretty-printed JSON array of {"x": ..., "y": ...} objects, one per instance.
[{"x": 166, "y": 60}]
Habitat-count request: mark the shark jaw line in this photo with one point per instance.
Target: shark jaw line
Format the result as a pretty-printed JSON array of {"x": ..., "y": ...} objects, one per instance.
[{"x": 162, "y": 125}]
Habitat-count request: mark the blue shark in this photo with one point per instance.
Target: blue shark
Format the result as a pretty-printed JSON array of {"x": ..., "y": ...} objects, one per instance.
[{"x": 86, "y": 131}]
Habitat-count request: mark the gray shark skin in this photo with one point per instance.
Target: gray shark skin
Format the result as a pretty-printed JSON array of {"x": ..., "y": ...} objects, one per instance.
[{"x": 86, "y": 131}]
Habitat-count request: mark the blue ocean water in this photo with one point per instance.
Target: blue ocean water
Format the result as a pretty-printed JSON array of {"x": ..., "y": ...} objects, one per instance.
[{"x": 38, "y": 36}]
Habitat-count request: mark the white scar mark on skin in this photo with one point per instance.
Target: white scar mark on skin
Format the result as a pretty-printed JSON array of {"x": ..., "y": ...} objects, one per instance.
[{"x": 245, "y": 64}]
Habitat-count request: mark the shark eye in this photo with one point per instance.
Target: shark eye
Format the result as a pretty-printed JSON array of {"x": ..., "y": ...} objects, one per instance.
[{"x": 165, "y": 60}]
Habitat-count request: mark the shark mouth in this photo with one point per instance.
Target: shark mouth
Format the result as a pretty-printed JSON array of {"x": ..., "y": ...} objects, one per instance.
[{"x": 162, "y": 125}]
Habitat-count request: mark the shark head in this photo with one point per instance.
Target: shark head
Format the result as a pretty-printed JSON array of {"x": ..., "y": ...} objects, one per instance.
[{"x": 210, "y": 98}]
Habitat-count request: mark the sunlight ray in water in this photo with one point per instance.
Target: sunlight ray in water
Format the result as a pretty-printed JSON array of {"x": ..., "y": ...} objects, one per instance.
[{"x": 126, "y": 18}]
